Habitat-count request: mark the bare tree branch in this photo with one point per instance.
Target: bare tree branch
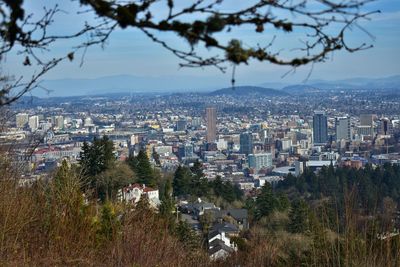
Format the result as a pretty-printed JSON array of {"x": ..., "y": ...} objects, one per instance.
[{"x": 324, "y": 25}]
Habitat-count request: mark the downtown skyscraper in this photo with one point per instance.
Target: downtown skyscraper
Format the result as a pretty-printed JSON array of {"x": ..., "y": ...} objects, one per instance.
[
  {"x": 211, "y": 118},
  {"x": 342, "y": 128},
  {"x": 320, "y": 128},
  {"x": 246, "y": 143}
]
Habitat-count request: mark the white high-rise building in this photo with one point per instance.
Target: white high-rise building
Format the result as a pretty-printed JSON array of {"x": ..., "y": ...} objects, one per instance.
[
  {"x": 134, "y": 139},
  {"x": 34, "y": 123},
  {"x": 196, "y": 122},
  {"x": 59, "y": 122},
  {"x": 286, "y": 144},
  {"x": 260, "y": 161},
  {"x": 45, "y": 126},
  {"x": 88, "y": 122},
  {"x": 21, "y": 119}
]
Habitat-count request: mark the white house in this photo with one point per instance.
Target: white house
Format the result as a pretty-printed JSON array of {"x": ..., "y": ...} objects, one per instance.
[
  {"x": 215, "y": 235},
  {"x": 219, "y": 245},
  {"x": 133, "y": 193}
]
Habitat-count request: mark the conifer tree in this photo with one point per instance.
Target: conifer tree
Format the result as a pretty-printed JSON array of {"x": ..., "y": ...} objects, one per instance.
[
  {"x": 199, "y": 184},
  {"x": 181, "y": 181},
  {"x": 167, "y": 203},
  {"x": 109, "y": 223},
  {"x": 266, "y": 202},
  {"x": 299, "y": 217},
  {"x": 143, "y": 169},
  {"x": 97, "y": 157}
]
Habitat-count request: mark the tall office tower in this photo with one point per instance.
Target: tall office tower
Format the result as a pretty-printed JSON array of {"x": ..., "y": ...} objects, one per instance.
[
  {"x": 196, "y": 122},
  {"x": 185, "y": 151},
  {"x": 88, "y": 122},
  {"x": 364, "y": 130},
  {"x": 21, "y": 119},
  {"x": 366, "y": 120},
  {"x": 211, "y": 117},
  {"x": 59, "y": 122},
  {"x": 34, "y": 123},
  {"x": 343, "y": 131},
  {"x": 134, "y": 140},
  {"x": 45, "y": 126},
  {"x": 320, "y": 127},
  {"x": 246, "y": 143},
  {"x": 386, "y": 127},
  {"x": 181, "y": 125},
  {"x": 260, "y": 161}
]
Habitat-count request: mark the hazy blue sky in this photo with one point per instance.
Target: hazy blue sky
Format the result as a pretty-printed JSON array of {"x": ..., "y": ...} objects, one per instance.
[{"x": 130, "y": 52}]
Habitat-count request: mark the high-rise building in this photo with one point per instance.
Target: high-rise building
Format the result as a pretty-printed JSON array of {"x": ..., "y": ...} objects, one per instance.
[
  {"x": 185, "y": 151},
  {"x": 196, "y": 122},
  {"x": 246, "y": 143},
  {"x": 343, "y": 130},
  {"x": 134, "y": 140},
  {"x": 385, "y": 127},
  {"x": 59, "y": 122},
  {"x": 34, "y": 123},
  {"x": 211, "y": 116},
  {"x": 365, "y": 130},
  {"x": 181, "y": 125},
  {"x": 21, "y": 119},
  {"x": 320, "y": 127},
  {"x": 260, "y": 161},
  {"x": 88, "y": 122},
  {"x": 45, "y": 126},
  {"x": 366, "y": 120},
  {"x": 286, "y": 144}
]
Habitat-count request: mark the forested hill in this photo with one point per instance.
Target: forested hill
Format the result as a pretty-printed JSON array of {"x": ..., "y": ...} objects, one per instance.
[{"x": 371, "y": 185}]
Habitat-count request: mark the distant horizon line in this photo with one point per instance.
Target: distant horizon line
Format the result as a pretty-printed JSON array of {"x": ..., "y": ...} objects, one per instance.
[{"x": 282, "y": 80}]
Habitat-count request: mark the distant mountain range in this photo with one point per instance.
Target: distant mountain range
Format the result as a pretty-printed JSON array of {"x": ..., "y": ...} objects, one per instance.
[
  {"x": 392, "y": 82},
  {"x": 248, "y": 90},
  {"x": 126, "y": 84},
  {"x": 171, "y": 84}
]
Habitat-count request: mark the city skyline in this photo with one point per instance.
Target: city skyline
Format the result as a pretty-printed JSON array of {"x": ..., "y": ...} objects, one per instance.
[{"x": 278, "y": 145}]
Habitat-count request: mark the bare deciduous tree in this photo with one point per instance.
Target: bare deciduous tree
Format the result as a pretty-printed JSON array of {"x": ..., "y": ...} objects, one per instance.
[{"x": 323, "y": 25}]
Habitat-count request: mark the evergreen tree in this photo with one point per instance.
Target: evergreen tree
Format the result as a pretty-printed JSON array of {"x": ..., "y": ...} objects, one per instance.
[
  {"x": 266, "y": 202},
  {"x": 228, "y": 192},
  {"x": 250, "y": 205},
  {"x": 187, "y": 235},
  {"x": 218, "y": 186},
  {"x": 97, "y": 157},
  {"x": 143, "y": 169},
  {"x": 199, "y": 184},
  {"x": 282, "y": 201},
  {"x": 167, "y": 206},
  {"x": 109, "y": 223},
  {"x": 237, "y": 191},
  {"x": 197, "y": 169},
  {"x": 61, "y": 176},
  {"x": 156, "y": 157},
  {"x": 182, "y": 181},
  {"x": 298, "y": 217}
]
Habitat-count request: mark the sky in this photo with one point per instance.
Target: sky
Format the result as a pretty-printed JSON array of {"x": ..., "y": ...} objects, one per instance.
[{"x": 129, "y": 52}]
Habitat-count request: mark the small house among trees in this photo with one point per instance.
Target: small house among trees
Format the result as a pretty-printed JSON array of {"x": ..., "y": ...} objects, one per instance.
[{"x": 134, "y": 192}]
